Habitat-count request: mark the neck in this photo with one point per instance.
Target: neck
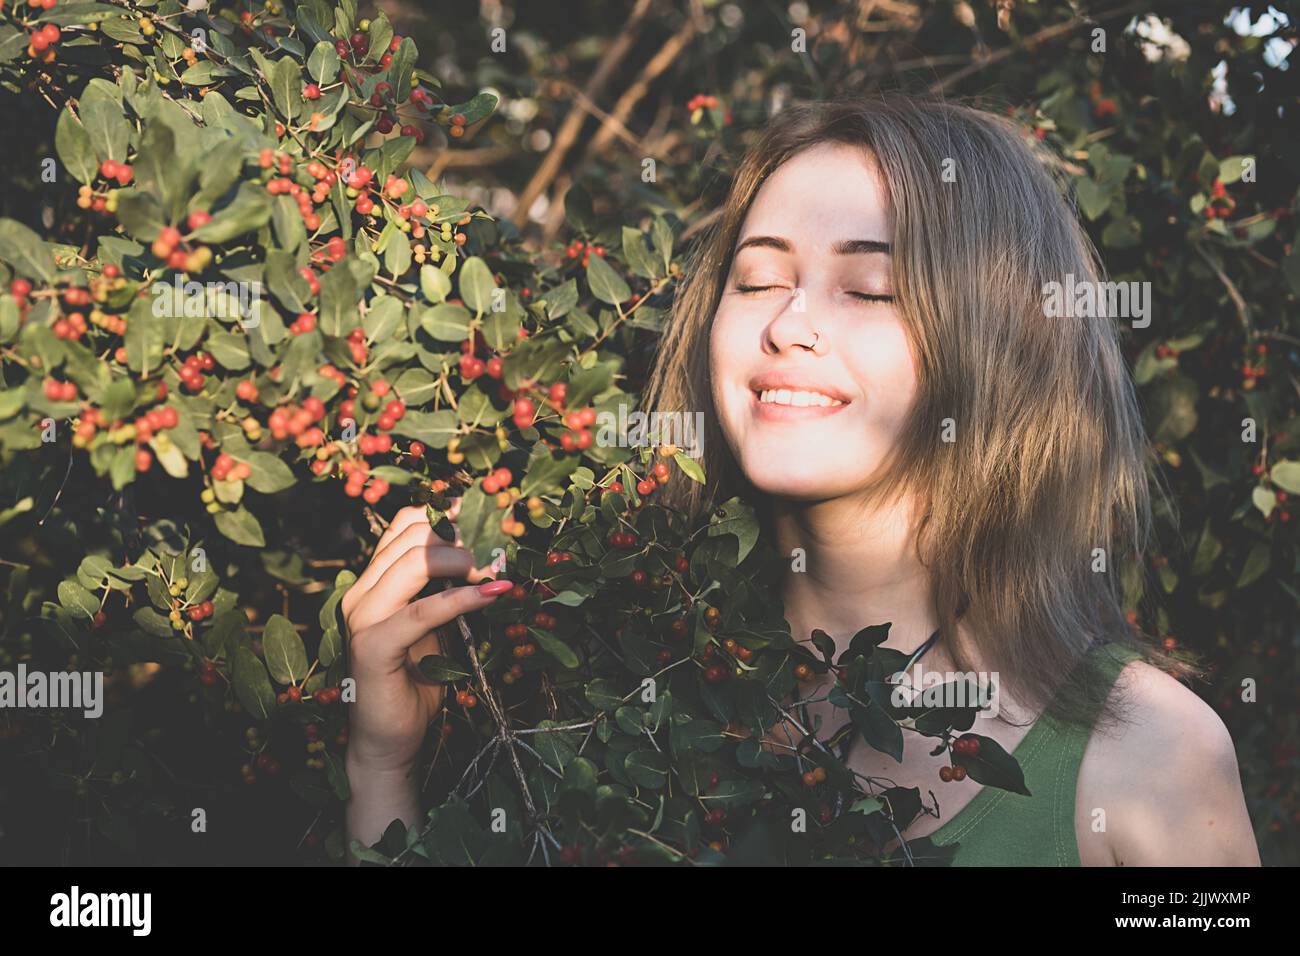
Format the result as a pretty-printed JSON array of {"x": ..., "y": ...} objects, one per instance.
[{"x": 860, "y": 568}]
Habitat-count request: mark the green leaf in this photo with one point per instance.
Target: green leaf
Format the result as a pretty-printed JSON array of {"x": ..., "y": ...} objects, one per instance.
[
  {"x": 229, "y": 349},
  {"x": 479, "y": 522},
  {"x": 1230, "y": 168},
  {"x": 477, "y": 285},
  {"x": 993, "y": 766},
  {"x": 638, "y": 257},
  {"x": 1257, "y": 564},
  {"x": 78, "y": 601},
  {"x": 72, "y": 143},
  {"x": 286, "y": 657},
  {"x": 647, "y": 768},
  {"x": 1265, "y": 499},
  {"x": 690, "y": 467},
  {"x": 397, "y": 255},
  {"x": 435, "y": 667},
  {"x": 25, "y": 251},
  {"x": 435, "y": 285},
  {"x": 446, "y": 323},
  {"x": 559, "y": 650},
  {"x": 252, "y": 684},
  {"x": 663, "y": 237},
  {"x": 606, "y": 284},
  {"x": 1092, "y": 197},
  {"x": 240, "y": 527},
  {"x": 251, "y": 209},
  {"x": 339, "y": 294},
  {"x": 109, "y": 132},
  {"x": 286, "y": 87},
  {"x": 200, "y": 74},
  {"x": 323, "y": 64},
  {"x": 432, "y": 428},
  {"x": 477, "y": 108},
  {"x": 736, "y": 518},
  {"x": 1286, "y": 475}
]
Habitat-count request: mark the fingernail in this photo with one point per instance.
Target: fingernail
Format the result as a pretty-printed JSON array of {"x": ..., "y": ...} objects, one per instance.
[{"x": 493, "y": 588}]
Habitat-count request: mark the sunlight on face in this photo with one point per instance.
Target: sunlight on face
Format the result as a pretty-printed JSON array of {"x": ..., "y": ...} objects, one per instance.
[{"x": 812, "y": 373}]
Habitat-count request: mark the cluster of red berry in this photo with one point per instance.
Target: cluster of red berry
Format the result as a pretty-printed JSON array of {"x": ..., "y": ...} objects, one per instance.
[
  {"x": 331, "y": 372},
  {"x": 466, "y": 698},
  {"x": 416, "y": 210},
  {"x": 225, "y": 467},
  {"x": 72, "y": 327},
  {"x": 42, "y": 40},
  {"x": 297, "y": 420},
  {"x": 201, "y": 611},
  {"x": 357, "y": 345},
  {"x": 282, "y": 185},
  {"x": 57, "y": 391},
  {"x": 1252, "y": 373},
  {"x": 358, "y": 472},
  {"x": 814, "y": 776},
  {"x": 121, "y": 173},
  {"x": 580, "y": 248},
  {"x": 168, "y": 248},
  {"x": 1221, "y": 204},
  {"x": 191, "y": 372},
  {"x": 472, "y": 366}
]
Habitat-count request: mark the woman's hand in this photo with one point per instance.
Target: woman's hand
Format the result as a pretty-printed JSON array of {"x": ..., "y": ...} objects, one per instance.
[{"x": 388, "y": 635}]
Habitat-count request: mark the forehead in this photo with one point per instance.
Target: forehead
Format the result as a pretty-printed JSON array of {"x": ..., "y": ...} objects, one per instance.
[{"x": 827, "y": 192}]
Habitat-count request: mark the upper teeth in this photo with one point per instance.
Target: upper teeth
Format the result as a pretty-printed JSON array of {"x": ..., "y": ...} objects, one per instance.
[{"x": 784, "y": 396}]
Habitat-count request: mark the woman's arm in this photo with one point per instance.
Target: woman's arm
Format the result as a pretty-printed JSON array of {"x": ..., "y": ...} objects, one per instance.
[
  {"x": 378, "y": 798},
  {"x": 389, "y": 631},
  {"x": 1167, "y": 780}
]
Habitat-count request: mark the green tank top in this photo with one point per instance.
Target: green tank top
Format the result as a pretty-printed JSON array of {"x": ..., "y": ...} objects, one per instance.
[{"x": 1000, "y": 828}]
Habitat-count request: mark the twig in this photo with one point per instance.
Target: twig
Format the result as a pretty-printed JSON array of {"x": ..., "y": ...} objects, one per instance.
[
  {"x": 1243, "y": 310},
  {"x": 1042, "y": 36},
  {"x": 567, "y": 134}
]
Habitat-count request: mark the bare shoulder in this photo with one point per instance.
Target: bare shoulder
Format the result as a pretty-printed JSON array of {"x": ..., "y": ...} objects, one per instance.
[{"x": 1162, "y": 787}]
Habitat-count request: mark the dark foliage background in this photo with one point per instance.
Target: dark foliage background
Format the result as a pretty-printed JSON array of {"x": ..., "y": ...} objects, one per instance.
[{"x": 1153, "y": 132}]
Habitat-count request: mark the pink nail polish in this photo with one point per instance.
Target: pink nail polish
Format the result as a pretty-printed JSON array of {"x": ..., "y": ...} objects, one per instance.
[{"x": 493, "y": 588}]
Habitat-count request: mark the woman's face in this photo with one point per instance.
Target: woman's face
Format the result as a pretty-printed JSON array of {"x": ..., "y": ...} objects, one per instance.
[{"x": 812, "y": 371}]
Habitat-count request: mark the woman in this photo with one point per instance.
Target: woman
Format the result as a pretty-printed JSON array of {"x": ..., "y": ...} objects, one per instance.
[{"x": 864, "y": 328}]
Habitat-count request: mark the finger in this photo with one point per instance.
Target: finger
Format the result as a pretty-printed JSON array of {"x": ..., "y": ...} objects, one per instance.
[
  {"x": 407, "y": 517},
  {"x": 404, "y": 629},
  {"x": 404, "y": 579},
  {"x": 415, "y": 536},
  {"x": 402, "y": 523},
  {"x": 485, "y": 573}
]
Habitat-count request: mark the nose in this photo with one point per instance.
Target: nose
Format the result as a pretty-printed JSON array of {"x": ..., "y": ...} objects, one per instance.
[{"x": 793, "y": 327}]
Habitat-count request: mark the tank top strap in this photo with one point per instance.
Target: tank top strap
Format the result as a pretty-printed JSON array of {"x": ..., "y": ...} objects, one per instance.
[{"x": 1001, "y": 828}]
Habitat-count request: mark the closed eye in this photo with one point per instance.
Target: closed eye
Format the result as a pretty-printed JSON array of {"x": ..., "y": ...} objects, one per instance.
[
  {"x": 749, "y": 289},
  {"x": 872, "y": 297}
]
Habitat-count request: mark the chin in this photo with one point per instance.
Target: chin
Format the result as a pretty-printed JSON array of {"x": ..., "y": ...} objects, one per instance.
[{"x": 807, "y": 478}]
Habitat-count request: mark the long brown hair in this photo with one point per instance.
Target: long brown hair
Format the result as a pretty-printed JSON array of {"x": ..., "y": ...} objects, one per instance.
[{"x": 1049, "y": 457}]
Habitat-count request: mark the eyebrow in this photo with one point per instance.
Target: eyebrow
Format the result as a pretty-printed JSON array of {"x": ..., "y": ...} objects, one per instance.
[{"x": 845, "y": 247}]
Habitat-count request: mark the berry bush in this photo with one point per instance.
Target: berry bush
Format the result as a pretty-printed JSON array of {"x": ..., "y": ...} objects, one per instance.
[{"x": 255, "y": 329}]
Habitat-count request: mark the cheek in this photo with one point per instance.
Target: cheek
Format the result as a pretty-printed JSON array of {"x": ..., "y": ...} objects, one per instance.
[
  {"x": 881, "y": 361},
  {"x": 728, "y": 357}
]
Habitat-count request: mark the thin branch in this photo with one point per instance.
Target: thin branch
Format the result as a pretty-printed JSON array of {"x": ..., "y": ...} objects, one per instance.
[{"x": 567, "y": 134}]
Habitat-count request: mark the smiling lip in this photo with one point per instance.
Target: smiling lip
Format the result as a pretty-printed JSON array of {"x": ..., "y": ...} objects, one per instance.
[{"x": 791, "y": 400}]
